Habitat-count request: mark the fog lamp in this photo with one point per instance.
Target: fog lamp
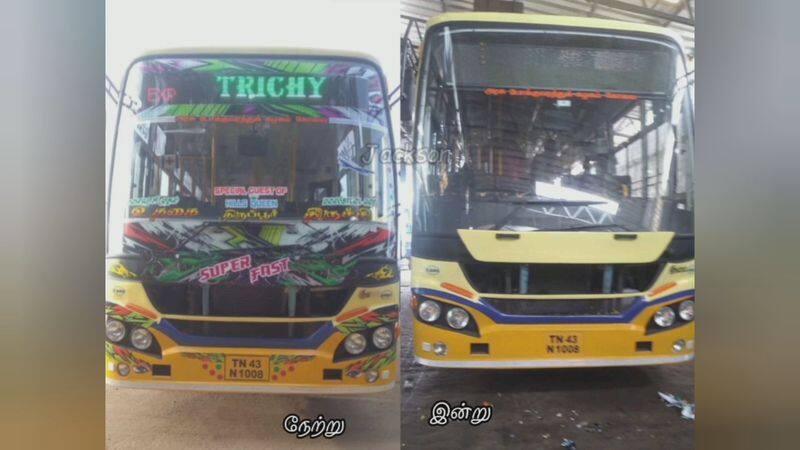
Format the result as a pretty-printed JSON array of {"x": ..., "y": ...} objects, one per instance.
[
  {"x": 678, "y": 345},
  {"x": 429, "y": 311},
  {"x": 371, "y": 375},
  {"x": 123, "y": 369},
  {"x": 664, "y": 317},
  {"x": 115, "y": 330},
  {"x": 440, "y": 349},
  {"x": 355, "y": 343}
]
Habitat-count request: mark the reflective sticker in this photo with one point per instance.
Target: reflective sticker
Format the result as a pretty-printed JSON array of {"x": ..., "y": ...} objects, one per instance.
[
  {"x": 155, "y": 200},
  {"x": 278, "y": 191},
  {"x": 232, "y": 214},
  {"x": 332, "y": 214},
  {"x": 348, "y": 201},
  {"x": 237, "y": 203}
]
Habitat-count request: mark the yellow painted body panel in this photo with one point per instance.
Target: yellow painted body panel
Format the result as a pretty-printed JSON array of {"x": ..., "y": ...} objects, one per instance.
[
  {"x": 565, "y": 247},
  {"x": 524, "y": 345},
  {"x": 290, "y": 370}
]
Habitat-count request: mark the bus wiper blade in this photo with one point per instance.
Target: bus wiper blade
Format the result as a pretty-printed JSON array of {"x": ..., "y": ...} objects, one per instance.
[{"x": 594, "y": 225}]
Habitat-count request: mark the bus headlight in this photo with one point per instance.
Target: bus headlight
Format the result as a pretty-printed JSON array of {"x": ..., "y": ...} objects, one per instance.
[
  {"x": 141, "y": 338},
  {"x": 115, "y": 330},
  {"x": 382, "y": 338},
  {"x": 429, "y": 311},
  {"x": 457, "y": 318},
  {"x": 664, "y": 317},
  {"x": 686, "y": 310},
  {"x": 355, "y": 343}
]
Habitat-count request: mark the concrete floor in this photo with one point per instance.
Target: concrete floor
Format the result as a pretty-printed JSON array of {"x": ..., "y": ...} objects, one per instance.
[
  {"x": 144, "y": 419},
  {"x": 536, "y": 409}
]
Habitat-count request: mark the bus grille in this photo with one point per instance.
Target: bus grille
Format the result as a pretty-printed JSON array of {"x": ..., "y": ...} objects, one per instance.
[
  {"x": 207, "y": 328},
  {"x": 563, "y": 307},
  {"x": 543, "y": 279},
  {"x": 229, "y": 300}
]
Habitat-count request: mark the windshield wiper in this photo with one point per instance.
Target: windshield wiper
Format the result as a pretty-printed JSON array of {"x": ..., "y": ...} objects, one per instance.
[
  {"x": 594, "y": 225},
  {"x": 543, "y": 202}
]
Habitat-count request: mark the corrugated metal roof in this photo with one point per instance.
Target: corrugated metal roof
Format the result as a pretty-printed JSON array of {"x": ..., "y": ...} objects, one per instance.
[{"x": 653, "y": 12}]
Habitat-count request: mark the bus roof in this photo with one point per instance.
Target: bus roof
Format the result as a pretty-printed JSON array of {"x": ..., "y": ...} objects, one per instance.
[
  {"x": 259, "y": 51},
  {"x": 561, "y": 21}
]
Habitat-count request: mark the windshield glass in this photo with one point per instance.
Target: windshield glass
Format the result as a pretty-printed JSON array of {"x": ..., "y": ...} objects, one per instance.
[
  {"x": 252, "y": 139},
  {"x": 531, "y": 130}
]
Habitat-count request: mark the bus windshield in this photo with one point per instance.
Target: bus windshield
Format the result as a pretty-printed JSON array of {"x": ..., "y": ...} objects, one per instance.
[
  {"x": 251, "y": 139},
  {"x": 545, "y": 130}
]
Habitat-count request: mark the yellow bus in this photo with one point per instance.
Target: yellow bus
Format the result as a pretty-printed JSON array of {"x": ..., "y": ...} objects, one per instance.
[
  {"x": 251, "y": 228},
  {"x": 553, "y": 215}
]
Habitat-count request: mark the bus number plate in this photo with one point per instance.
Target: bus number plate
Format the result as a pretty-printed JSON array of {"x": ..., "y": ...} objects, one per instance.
[
  {"x": 247, "y": 368},
  {"x": 563, "y": 344}
]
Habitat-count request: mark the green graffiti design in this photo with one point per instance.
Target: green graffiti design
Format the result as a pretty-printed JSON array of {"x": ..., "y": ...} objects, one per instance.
[
  {"x": 178, "y": 269},
  {"x": 215, "y": 65},
  {"x": 365, "y": 321},
  {"x": 123, "y": 314},
  {"x": 323, "y": 271}
]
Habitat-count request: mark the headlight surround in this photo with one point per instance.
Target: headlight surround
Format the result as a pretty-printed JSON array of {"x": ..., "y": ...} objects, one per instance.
[
  {"x": 141, "y": 338},
  {"x": 686, "y": 310},
  {"x": 457, "y": 318},
  {"x": 115, "y": 330},
  {"x": 664, "y": 317},
  {"x": 429, "y": 311},
  {"x": 355, "y": 343},
  {"x": 382, "y": 337}
]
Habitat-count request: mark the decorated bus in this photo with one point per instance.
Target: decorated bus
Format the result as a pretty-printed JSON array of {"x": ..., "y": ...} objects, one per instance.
[
  {"x": 554, "y": 207},
  {"x": 251, "y": 228}
]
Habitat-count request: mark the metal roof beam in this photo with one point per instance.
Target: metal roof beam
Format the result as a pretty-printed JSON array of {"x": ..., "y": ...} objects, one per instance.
[{"x": 623, "y": 6}]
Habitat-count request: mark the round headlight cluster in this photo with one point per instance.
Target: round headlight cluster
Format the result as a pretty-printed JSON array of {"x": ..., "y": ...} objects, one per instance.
[
  {"x": 429, "y": 311},
  {"x": 664, "y": 317},
  {"x": 381, "y": 338},
  {"x": 115, "y": 330},
  {"x": 668, "y": 315}
]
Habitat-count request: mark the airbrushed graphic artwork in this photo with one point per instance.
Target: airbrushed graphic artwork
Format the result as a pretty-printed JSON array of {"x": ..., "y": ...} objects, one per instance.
[{"x": 286, "y": 254}]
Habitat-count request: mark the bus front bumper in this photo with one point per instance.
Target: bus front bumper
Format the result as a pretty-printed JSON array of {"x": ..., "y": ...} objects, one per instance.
[
  {"x": 251, "y": 370},
  {"x": 531, "y": 346}
]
